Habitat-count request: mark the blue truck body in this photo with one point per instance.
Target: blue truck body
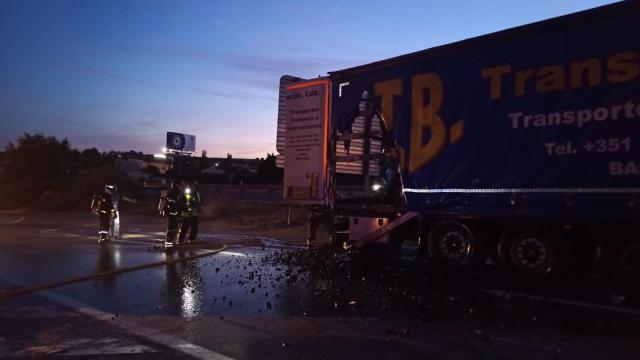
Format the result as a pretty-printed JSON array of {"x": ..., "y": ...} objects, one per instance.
[{"x": 539, "y": 120}]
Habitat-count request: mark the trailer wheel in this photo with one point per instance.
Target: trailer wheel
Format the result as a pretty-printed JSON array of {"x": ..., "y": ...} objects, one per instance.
[
  {"x": 531, "y": 253},
  {"x": 338, "y": 231},
  {"x": 452, "y": 243},
  {"x": 621, "y": 262}
]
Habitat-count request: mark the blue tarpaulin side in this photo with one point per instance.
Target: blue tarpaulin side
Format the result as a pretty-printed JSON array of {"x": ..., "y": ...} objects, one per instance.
[{"x": 545, "y": 121}]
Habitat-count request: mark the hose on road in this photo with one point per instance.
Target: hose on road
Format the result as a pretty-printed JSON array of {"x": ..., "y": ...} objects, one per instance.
[{"x": 30, "y": 290}]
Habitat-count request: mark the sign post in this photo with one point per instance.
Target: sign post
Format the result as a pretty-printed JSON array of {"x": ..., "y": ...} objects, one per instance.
[
  {"x": 179, "y": 146},
  {"x": 181, "y": 142}
]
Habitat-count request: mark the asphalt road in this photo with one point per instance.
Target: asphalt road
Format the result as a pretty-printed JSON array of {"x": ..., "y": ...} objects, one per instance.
[{"x": 62, "y": 294}]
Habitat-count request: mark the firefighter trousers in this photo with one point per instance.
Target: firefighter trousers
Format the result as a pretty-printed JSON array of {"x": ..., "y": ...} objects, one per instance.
[
  {"x": 172, "y": 228},
  {"x": 189, "y": 223},
  {"x": 104, "y": 220}
]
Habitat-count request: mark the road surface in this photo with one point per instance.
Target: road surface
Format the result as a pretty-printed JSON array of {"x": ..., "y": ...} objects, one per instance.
[{"x": 63, "y": 295}]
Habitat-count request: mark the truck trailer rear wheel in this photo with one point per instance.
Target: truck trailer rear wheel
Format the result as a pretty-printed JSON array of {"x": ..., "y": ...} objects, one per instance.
[
  {"x": 452, "y": 243},
  {"x": 622, "y": 265},
  {"x": 532, "y": 254}
]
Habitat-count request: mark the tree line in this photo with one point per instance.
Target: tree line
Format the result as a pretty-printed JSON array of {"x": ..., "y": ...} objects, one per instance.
[{"x": 43, "y": 172}]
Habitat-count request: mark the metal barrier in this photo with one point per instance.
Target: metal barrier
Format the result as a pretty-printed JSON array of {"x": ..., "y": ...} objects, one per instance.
[{"x": 250, "y": 193}]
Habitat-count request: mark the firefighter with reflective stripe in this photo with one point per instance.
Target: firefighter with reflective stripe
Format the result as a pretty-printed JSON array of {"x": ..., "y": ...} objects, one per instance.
[
  {"x": 114, "y": 228},
  {"x": 170, "y": 208},
  {"x": 102, "y": 205},
  {"x": 190, "y": 204}
]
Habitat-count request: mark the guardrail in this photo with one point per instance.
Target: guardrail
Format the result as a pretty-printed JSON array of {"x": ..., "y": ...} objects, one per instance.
[{"x": 252, "y": 193}]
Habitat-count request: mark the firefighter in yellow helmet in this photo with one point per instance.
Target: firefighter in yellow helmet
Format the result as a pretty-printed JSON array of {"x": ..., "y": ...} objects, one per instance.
[{"x": 190, "y": 205}]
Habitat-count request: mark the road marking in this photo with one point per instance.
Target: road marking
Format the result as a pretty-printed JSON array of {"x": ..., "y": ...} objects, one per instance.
[
  {"x": 101, "y": 346},
  {"x": 47, "y": 231},
  {"x": 127, "y": 323},
  {"x": 135, "y": 236},
  {"x": 232, "y": 253},
  {"x": 29, "y": 312},
  {"x": 17, "y": 221},
  {"x": 13, "y": 212},
  {"x": 83, "y": 347},
  {"x": 618, "y": 309}
]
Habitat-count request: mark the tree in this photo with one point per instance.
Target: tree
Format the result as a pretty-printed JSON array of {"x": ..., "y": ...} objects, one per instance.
[
  {"x": 268, "y": 172},
  {"x": 45, "y": 172},
  {"x": 39, "y": 162}
]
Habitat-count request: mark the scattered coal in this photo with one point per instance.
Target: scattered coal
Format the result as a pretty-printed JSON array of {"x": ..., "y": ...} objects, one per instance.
[{"x": 375, "y": 283}]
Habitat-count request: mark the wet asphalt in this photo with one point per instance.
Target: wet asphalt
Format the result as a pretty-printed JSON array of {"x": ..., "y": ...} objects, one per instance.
[{"x": 263, "y": 298}]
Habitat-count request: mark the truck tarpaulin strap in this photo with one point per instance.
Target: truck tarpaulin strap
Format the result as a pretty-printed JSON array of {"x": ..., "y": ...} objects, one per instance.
[{"x": 532, "y": 191}]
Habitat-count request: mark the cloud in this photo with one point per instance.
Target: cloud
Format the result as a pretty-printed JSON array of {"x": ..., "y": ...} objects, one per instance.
[
  {"x": 254, "y": 63},
  {"x": 236, "y": 95},
  {"x": 132, "y": 80},
  {"x": 106, "y": 74}
]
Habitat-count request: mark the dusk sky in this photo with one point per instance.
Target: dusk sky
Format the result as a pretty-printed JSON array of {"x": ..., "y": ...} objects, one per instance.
[{"x": 120, "y": 74}]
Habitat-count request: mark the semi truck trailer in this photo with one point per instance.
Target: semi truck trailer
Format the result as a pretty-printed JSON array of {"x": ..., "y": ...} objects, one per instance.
[{"x": 521, "y": 145}]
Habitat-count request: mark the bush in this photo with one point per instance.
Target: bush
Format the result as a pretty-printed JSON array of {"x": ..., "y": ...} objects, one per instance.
[
  {"x": 220, "y": 209},
  {"x": 13, "y": 196},
  {"x": 45, "y": 173},
  {"x": 52, "y": 200}
]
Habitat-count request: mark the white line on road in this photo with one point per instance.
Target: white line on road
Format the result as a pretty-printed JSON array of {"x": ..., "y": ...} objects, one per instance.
[
  {"x": 81, "y": 347},
  {"x": 233, "y": 253},
  {"x": 129, "y": 324},
  {"x": 17, "y": 221},
  {"x": 618, "y": 309},
  {"x": 49, "y": 230}
]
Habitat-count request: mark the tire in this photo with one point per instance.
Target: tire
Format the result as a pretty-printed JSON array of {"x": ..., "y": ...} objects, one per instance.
[
  {"x": 621, "y": 266},
  {"x": 530, "y": 253},
  {"x": 337, "y": 240},
  {"x": 452, "y": 243}
]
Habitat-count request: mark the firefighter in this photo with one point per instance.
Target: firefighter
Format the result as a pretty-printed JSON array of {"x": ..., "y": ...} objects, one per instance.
[
  {"x": 190, "y": 205},
  {"x": 102, "y": 205},
  {"x": 169, "y": 208},
  {"x": 114, "y": 228}
]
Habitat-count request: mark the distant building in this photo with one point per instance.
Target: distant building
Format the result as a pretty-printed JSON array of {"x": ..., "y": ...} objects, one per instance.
[
  {"x": 143, "y": 168},
  {"x": 230, "y": 170},
  {"x": 163, "y": 165},
  {"x": 132, "y": 168}
]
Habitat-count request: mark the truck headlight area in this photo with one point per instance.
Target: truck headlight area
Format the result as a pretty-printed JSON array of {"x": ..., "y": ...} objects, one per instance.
[{"x": 378, "y": 185}]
